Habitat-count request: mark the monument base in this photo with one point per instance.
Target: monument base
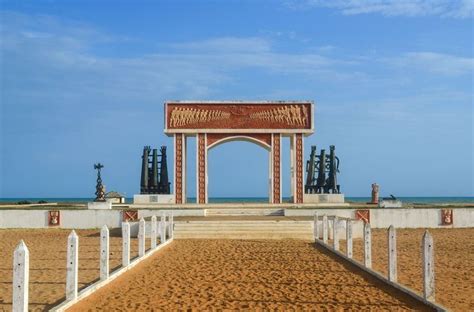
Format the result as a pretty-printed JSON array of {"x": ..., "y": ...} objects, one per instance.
[
  {"x": 99, "y": 205},
  {"x": 323, "y": 198},
  {"x": 390, "y": 203},
  {"x": 153, "y": 199}
]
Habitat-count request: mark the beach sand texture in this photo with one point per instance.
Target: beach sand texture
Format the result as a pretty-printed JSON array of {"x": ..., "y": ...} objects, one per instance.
[
  {"x": 244, "y": 274},
  {"x": 454, "y": 262},
  {"x": 48, "y": 262}
]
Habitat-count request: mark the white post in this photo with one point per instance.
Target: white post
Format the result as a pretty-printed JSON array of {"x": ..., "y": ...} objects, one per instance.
[
  {"x": 316, "y": 229},
  {"x": 153, "y": 232},
  {"x": 392, "y": 254},
  {"x": 428, "y": 267},
  {"x": 72, "y": 266},
  {"x": 21, "y": 277},
  {"x": 349, "y": 238},
  {"x": 325, "y": 229},
  {"x": 171, "y": 225},
  {"x": 141, "y": 237},
  {"x": 125, "y": 244},
  {"x": 367, "y": 246},
  {"x": 335, "y": 239},
  {"x": 163, "y": 228},
  {"x": 104, "y": 253}
]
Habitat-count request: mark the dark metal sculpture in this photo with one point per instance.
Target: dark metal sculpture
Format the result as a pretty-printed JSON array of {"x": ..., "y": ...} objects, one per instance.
[
  {"x": 154, "y": 179},
  {"x": 321, "y": 184},
  {"x": 99, "y": 188}
]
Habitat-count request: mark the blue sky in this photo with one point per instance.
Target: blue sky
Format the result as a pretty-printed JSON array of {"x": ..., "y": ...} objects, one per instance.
[{"x": 85, "y": 81}]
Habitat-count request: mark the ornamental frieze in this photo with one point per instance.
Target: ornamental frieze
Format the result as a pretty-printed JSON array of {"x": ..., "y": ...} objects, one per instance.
[{"x": 188, "y": 116}]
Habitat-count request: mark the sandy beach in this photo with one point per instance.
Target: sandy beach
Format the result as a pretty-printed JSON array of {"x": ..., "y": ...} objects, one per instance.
[
  {"x": 48, "y": 263},
  {"x": 239, "y": 274},
  {"x": 454, "y": 262},
  {"x": 250, "y": 275}
]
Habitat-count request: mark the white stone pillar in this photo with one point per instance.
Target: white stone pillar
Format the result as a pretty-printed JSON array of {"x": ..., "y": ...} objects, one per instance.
[
  {"x": 315, "y": 227},
  {"x": 349, "y": 238},
  {"x": 325, "y": 229},
  {"x": 163, "y": 228},
  {"x": 335, "y": 239},
  {"x": 367, "y": 246},
  {"x": 171, "y": 220},
  {"x": 428, "y": 267},
  {"x": 125, "y": 244},
  {"x": 392, "y": 254},
  {"x": 153, "y": 232},
  {"x": 104, "y": 253},
  {"x": 21, "y": 277},
  {"x": 141, "y": 237},
  {"x": 72, "y": 266}
]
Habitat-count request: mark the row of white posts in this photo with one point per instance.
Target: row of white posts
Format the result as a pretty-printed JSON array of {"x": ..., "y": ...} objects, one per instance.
[
  {"x": 427, "y": 250},
  {"x": 21, "y": 258}
]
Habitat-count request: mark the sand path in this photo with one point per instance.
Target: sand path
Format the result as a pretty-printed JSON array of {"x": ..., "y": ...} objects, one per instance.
[
  {"x": 454, "y": 262},
  {"x": 48, "y": 263},
  {"x": 238, "y": 274}
]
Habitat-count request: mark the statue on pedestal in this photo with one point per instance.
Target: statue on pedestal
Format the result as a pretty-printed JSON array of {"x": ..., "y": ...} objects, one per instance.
[
  {"x": 375, "y": 193},
  {"x": 99, "y": 188}
]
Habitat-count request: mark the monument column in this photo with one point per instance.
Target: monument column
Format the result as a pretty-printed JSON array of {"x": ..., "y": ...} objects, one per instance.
[
  {"x": 276, "y": 168},
  {"x": 297, "y": 168},
  {"x": 201, "y": 168},
  {"x": 180, "y": 168}
]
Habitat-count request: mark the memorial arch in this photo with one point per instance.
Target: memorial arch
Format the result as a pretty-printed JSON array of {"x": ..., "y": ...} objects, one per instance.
[{"x": 216, "y": 122}]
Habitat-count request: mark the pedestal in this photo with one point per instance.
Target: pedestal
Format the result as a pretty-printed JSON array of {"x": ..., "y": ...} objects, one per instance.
[
  {"x": 323, "y": 198},
  {"x": 99, "y": 205},
  {"x": 153, "y": 199}
]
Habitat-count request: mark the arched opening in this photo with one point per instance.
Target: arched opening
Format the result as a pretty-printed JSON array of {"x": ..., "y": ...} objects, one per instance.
[{"x": 238, "y": 171}]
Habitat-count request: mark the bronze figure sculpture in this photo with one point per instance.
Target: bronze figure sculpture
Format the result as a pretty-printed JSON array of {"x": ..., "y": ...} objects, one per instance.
[
  {"x": 99, "y": 188},
  {"x": 321, "y": 184},
  {"x": 154, "y": 179}
]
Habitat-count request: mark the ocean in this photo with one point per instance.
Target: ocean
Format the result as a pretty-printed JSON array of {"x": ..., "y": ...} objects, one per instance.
[{"x": 418, "y": 200}]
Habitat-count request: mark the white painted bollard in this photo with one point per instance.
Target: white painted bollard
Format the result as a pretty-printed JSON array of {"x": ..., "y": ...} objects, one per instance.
[
  {"x": 428, "y": 267},
  {"x": 315, "y": 227},
  {"x": 125, "y": 244},
  {"x": 335, "y": 239},
  {"x": 163, "y": 229},
  {"x": 325, "y": 229},
  {"x": 21, "y": 277},
  {"x": 153, "y": 232},
  {"x": 104, "y": 253},
  {"x": 72, "y": 266},
  {"x": 349, "y": 238},
  {"x": 141, "y": 237},
  {"x": 170, "y": 225},
  {"x": 392, "y": 254},
  {"x": 367, "y": 246}
]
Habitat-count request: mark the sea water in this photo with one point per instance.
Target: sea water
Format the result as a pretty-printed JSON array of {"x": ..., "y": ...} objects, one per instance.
[{"x": 418, "y": 200}]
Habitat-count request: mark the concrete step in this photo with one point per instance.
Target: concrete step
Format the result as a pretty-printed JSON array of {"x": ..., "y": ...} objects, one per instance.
[
  {"x": 244, "y": 212},
  {"x": 302, "y": 236},
  {"x": 252, "y": 229}
]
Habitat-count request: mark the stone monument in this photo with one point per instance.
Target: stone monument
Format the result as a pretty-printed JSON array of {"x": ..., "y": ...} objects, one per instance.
[
  {"x": 375, "y": 193},
  {"x": 99, "y": 201}
]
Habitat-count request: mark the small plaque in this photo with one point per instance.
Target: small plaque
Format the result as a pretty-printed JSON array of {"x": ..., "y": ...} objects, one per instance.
[
  {"x": 130, "y": 215},
  {"x": 54, "y": 218},
  {"x": 363, "y": 214},
  {"x": 446, "y": 216},
  {"x": 153, "y": 198}
]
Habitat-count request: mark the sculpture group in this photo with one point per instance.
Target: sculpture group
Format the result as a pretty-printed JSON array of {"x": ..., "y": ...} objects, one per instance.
[
  {"x": 317, "y": 182},
  {"x": 154, "y": 175}
]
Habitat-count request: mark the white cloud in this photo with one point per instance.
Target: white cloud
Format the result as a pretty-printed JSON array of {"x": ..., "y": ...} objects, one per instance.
[
  {"x": 437, "y": 63},
  {"x": 410, "y": 8}
]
